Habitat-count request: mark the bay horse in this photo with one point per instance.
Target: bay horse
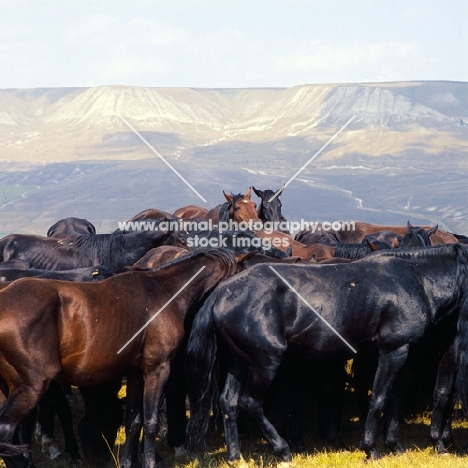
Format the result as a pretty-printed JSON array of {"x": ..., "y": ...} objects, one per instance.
[
  {"x": 191, "y": 212},
  {"x": 94, "y": 335},
  {"x": 391, "y": 299},
  {"x": 239, "y": 208}
]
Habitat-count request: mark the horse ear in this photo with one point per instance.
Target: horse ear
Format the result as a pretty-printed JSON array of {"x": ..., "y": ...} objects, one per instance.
[
  {"x": 259, "y": 193},
  {"x": 249, "y": 193},
  {"x": 408, "y": 224},
  {"x": 227, "y": 197},
  {"x": 433, "y": 230},
  {"x": 280, "y": 191}
]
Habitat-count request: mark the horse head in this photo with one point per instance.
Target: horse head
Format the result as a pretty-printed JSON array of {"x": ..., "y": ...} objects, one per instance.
[
  {"x": 417, "y": 236},
  {"x": 269, "y": 208},
  {"x": 241, "y": 207}
]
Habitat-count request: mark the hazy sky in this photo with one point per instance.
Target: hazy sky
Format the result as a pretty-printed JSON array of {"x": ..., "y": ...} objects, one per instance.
[{"x": 230, "y": 43}]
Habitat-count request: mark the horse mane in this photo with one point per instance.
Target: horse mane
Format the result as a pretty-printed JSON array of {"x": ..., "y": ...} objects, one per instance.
[
  {"x": 352, "y": 251},
  {"x": 424, "y": 253},
  {"x": 101, "y": 245},
  {"x": 225, "y": 209}
]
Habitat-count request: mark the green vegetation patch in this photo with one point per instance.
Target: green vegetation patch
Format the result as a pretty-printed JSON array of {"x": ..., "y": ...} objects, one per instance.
[{"x": 9, "y": 193}]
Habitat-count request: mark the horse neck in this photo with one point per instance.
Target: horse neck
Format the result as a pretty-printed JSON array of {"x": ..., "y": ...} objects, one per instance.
[
  {"x": 443, "y": 282},
  {"x": 261, "y": 212}
]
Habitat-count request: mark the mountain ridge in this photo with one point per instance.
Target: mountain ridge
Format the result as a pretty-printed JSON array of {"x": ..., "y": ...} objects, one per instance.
[{"x": 66, "y": 124}]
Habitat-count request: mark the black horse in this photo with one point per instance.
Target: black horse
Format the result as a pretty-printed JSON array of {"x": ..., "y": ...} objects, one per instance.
[
  {"x": 270, "y": 211},
  {"x": 417, "y": 236},
  {"x": 71, "y": 226},
  {"x": 113, "y": 251},
  {"x": 391, "y": 298},
  {"x": 96, "y": 273}
]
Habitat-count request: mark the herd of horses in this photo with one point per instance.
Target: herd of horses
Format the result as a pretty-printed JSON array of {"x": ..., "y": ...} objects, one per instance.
[{"x": 229, "y": 327}]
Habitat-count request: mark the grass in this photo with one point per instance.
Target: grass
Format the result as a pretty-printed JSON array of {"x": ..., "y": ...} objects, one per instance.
[{"x": 257, "y": 453}]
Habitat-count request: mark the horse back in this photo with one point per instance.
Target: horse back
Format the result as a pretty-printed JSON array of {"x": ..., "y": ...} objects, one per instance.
[{"x": 361, "y": 302}]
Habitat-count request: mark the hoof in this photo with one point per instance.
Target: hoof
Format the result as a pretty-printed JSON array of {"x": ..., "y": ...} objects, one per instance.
[
  {"x": 372, "y": 455},
  {"x": 396, "y": 448}
]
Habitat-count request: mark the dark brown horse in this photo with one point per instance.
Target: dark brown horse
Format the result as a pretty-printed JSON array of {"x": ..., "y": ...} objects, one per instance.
[
  {"x": 158, "y": 256},
  {"x": 151, "y": 214},
  {"x": 358, "y": 230},
  {"x": 132, "y": 323},
  {"x": 191, "y": 212}
]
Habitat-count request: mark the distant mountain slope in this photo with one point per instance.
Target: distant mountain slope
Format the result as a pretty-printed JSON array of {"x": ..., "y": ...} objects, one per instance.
[
  {"x": 53, "y": 125},
  {"x": 65, "y": 151}
]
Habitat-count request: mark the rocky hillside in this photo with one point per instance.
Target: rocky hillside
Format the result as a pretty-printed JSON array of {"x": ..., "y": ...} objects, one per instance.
[{"x": 70, "y": 124}]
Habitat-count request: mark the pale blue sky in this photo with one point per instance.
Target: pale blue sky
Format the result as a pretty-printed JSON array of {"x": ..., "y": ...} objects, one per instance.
[{"x": 241, "y": 43}]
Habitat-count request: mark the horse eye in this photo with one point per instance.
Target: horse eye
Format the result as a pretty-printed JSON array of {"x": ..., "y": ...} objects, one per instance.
[{"x": 236, "y": 208}]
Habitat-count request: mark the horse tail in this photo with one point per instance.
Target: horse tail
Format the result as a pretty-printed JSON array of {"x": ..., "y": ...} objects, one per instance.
[
  {"x": 201, "y": 374},
  {"x": 461, "y": 348}
]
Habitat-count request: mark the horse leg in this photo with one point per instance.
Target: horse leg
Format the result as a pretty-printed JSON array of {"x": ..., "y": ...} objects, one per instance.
[
  {"x": 133, "y": 419},
  {"x": 251, "y": 400},
  {"x": 21, "y": 401},
  {"x": 103, "y": 416},
  {"x": 285, "y": 404},
  {"x": 45, "y": 416},
  {"x": 391, "y": 415},
  {"x": 175, "y": 392},
  {"x": 228, "y": 402},
  {"x": 364, "y": 368},
  {"x": 155, "y": 381},
  {"x": 440, "y": 433},
  {"x": 24, "y": 435},
  {"x": 390, "y": 363},
  {"x": 62, "y": 408}
]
